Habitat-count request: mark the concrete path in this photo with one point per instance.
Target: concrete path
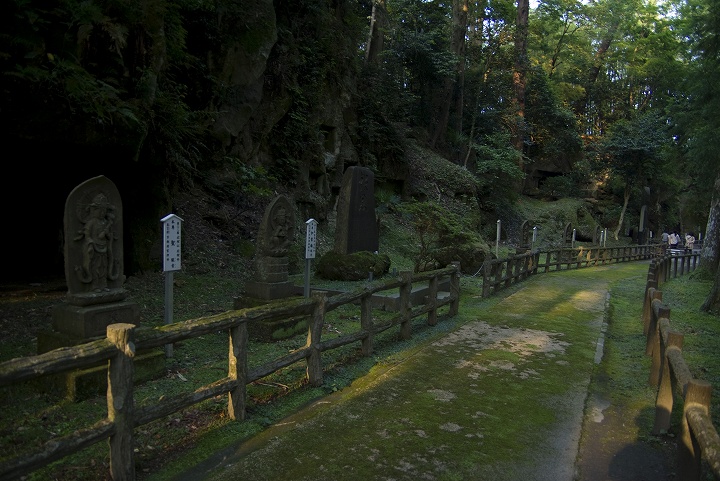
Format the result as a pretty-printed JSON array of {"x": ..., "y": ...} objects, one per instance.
[{"x": 502, "y": 398}]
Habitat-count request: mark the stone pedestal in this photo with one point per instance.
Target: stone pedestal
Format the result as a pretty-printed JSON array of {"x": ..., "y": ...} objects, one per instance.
[{"x": 92, "y": 321}]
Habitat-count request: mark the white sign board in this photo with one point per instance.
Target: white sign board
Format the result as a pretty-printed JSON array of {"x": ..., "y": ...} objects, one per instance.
[
  {"x": 171, "y": 242},
  {"x": 310, "y": 238}
]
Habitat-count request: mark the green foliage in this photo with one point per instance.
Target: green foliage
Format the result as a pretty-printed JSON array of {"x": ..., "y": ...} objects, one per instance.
[
  {"x": 496, "y": 169},
  {"x": 443, "y": 237},
  {"x": 554, "y": 131}
]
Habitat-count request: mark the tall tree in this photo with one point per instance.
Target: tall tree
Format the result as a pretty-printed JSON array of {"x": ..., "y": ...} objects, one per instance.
[
  {"x": 630, "y": 152},
  {"x": 698, "y": 120},
  {"x": 453, "y": 84},
  {"x": 520, "y": 79},
  {"x": 378, "y": 24}
]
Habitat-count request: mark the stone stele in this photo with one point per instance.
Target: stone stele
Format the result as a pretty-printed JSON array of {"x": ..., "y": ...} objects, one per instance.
[
  {"x": 275, "y": 235},
  {"x": 356, "y": 226},
  {"x": 93, "y": 225}
]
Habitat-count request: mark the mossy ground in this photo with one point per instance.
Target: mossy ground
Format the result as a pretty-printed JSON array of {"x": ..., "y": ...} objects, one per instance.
[{"x": 488, "y": 399}]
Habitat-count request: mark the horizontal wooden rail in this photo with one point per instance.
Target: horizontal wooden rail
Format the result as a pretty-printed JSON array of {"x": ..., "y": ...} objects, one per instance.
[
  {"x": 500, "y": 274},
  {"x": 124, "y": 340},
  {"x": 671, "y": 374}
]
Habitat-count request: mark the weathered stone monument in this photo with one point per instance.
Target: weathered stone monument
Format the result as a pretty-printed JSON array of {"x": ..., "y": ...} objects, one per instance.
[
  {"x": 94, "y": 272},
  {"x": 271, "y": 282},
  {"x": 525, "y": 238},
  {"x": 642, "y": 235},
  {"x": 276, "y": 233},
  {"x": 567, "y": 235},
  {"x": 356, "y": 227}
]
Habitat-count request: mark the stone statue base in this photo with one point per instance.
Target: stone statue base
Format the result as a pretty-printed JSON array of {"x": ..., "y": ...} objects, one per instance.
[
  {"x": 261, "y": 293},
  {"x": 269, "y": 291},
  {"x": 270, "y": 331},
  {"x": 82, "y": 384},
  {"x": 92, "y": 321},
  {"x": 78, "y": 324}
]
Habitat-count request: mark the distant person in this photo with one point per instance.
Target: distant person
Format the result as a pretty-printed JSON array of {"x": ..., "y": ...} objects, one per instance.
[
  {"x": 665, "y": 237},
  {"x": 674, "y": 239},
  {"x": 689, "y": 240}
]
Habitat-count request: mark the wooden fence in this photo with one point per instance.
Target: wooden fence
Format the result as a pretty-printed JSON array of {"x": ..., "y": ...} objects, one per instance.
[
  {"x": 124, "y": 340},
  {"x": 499, "y": 274},
  {"x": 670, "y": 373}
]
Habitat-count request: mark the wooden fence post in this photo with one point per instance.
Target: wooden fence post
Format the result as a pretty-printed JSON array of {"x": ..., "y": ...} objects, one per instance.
[
  {"x": 237, "y": 370},
  {"x": 366, "y": 324},
  {"x": 664, "y": 398},
  {"x": 487, "y": 273},
  {"x": 509, "y": 271},
  {"x": 689, "y": 455},
  {"x": 548, "y": 255},
  {"x": 432, "y": 301},
  {"x": 405, "y": 290},
  {"x": 652, "y": 347},
  {"x": 455, "y": 290},
  {"x": 120, "y": 402},
  {"x": 650, "y": 294},
  {"x": 317, "y": 319}
]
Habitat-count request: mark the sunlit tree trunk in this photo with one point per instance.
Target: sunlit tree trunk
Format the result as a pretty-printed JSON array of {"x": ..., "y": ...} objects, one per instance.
[
  {"x": 626, "y": 200},
  {"x": 378, "y": 22},
  {"x": 709, "y": 254},
  {"x": 519, "y": 80}
]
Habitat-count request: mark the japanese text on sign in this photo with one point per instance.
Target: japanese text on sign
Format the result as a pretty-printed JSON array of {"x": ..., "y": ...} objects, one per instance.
[
  {"x": 171, "y": 243},
  {"x": 310, "y": 238}
]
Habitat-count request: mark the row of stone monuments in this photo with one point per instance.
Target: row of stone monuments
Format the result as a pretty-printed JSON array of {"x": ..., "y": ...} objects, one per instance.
[
  {"x": 355, "y": 231},
  {"x": 94, "y": 269}
]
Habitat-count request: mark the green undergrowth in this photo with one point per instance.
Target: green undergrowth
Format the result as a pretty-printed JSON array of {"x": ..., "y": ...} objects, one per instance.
[{"x": 700, "y": 330}]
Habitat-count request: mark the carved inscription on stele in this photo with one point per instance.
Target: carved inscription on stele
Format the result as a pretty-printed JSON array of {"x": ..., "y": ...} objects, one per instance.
[{"x": 94, "y": 243}]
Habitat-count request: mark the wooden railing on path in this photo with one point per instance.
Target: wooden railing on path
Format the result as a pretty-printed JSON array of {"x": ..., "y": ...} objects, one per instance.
[
  {"x": 124, "y": 340},
  {"x": 670, "y": 373},
  {"x": 499, "y": 274}
]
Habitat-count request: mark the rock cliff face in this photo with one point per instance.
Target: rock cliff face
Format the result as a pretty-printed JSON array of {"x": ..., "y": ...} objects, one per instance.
[{"x": 285, "y": 98}]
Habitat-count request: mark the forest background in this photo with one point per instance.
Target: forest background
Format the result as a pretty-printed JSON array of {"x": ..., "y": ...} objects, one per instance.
[{"x": 226, "y": 103}]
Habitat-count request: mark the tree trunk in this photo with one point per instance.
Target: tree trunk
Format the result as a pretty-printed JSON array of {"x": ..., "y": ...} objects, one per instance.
[
  {"x": 626, "y": 200},
  {"x": 712, "y": 302},
  {"x": 451, "y": 85},
  {"x": 709, "y": 254},
  {"x": 519, "y": 80},
  {"x": 378, "y": 22}
]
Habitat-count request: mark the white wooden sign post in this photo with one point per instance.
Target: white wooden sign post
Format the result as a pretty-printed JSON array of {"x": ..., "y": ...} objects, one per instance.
[
  {"x": 310, "y": 246},
  {"x": 534, "y": 238},
  {"x": 497, "y": 240},
  {"x": 172, "y": 261}
]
